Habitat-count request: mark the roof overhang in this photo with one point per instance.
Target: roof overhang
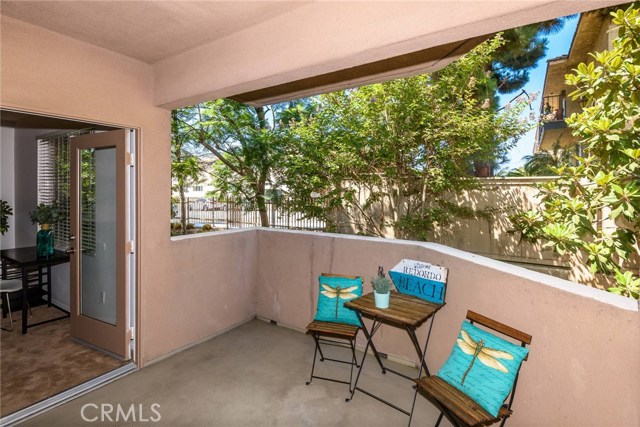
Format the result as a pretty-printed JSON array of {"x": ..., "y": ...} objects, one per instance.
[
  {"x": 423, "y": 61},
  {"x": 267, "y": 51},
  {"x": 584, "y": 39}
]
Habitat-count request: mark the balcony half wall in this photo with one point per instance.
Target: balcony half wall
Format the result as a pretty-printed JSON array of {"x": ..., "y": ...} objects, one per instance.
[
  {"x": 554, "y": 132},
  {"x": 583, "y": 368}
]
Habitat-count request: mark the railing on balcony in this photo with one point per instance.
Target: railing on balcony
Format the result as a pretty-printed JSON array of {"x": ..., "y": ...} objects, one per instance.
[
  {"x": 553, "y": 108},
  {"x": 229, "y": 214},
  {"x": 553, "y": 111}
]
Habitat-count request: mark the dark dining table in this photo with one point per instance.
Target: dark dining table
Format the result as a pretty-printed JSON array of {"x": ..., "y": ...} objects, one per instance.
[{"x": 26, "y": 259}]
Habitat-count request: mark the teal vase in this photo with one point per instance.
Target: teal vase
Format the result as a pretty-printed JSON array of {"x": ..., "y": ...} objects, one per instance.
[{"x": 44, "y": 241}]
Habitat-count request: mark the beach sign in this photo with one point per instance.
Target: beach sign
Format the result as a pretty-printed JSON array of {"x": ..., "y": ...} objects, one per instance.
[{"x": 420, "y": 279}]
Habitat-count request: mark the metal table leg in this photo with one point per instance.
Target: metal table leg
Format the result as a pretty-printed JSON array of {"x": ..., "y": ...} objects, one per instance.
[
  {"x": 374, "y": 328},
  {"x": 4, "y": 277},
  {"x": 421, "y": 356},
  {"x": 370, "y": 340},
  {"x": 369, "y": 336},
  {"x": 25, "y": 296},
  {"x": 49, "y": 284},
  {"x": 422, "y": 353}
]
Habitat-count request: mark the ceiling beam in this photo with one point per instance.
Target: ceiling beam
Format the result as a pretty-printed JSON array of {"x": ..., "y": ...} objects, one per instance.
[
  {"x": 322, "y": 38},
  {"x": 419, "y": 62}
]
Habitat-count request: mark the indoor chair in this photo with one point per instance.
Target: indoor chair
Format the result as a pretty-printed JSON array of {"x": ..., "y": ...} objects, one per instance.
[
  {"x": 6, "y": 287},
  {"x": 334, "y": 324},
  {"x": 459, "y": 408}
]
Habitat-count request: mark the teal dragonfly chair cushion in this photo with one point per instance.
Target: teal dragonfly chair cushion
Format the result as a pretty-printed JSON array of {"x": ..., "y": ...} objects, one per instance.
[
  {"x": 483, "y": 366},
  {"x": 334, "y": 292}
]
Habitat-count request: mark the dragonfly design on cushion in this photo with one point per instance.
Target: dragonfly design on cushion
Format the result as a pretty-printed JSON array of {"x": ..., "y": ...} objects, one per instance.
[
  {"x": 338, "y": 293},
  {"x": 488, "y": 356}
]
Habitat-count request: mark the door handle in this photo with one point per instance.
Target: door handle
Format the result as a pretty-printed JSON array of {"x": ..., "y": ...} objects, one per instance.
[
  {"x": 70, "y": 251},
  {"x": 72, "y": 238}
]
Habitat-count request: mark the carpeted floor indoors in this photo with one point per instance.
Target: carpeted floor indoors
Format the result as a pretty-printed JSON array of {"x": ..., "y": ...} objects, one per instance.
[{"x": 44, "y": 362}]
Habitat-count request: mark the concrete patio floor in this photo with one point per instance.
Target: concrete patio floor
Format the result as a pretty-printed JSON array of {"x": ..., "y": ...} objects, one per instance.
[{"x": 253, "y": 375}]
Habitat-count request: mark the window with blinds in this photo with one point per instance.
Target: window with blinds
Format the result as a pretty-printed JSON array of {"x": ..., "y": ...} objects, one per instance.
[{"x": 54, "y": 188}]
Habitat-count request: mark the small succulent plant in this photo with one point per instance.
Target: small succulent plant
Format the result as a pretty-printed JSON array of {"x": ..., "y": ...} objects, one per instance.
[{"x": 380, "y": 283}]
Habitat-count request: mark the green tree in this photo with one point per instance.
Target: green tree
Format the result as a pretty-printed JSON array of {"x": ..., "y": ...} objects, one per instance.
[
  {"x": 390, "y": 156},
  {"x": 604, "y": 186},
  {"x": 523, "y": 48},
  {"x": 186, "y": 168},
  {"x": 246, "y": 141},
  {"x": 545, "y": 163}
]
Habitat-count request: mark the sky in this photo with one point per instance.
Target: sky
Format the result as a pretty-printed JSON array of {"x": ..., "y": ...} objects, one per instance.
[{"x": 558, "y": 45}]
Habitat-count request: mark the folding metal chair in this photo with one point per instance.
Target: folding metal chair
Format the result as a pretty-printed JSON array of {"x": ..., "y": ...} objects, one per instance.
[
  {"x": 459, "y": 408},
  {"x": 334, "y": 334}
]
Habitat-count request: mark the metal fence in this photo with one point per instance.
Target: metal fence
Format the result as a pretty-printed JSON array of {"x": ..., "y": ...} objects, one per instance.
[{"x": 230, "y": 214}]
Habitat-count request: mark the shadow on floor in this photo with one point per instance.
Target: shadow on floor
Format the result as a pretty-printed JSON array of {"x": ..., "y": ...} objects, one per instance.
[{"x": 253, "y": 375}]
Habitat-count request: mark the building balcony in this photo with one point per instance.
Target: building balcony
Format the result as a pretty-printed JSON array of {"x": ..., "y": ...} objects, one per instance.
[
  {"x": 553, "y": 108},
  {"x": 553, "y": 127}
]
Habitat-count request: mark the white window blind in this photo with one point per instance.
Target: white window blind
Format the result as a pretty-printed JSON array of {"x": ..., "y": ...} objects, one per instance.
[{"x": 54, "y": 187}]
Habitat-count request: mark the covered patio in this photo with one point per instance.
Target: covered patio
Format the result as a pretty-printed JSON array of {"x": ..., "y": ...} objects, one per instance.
[
  {"x": 583, "y": 359},
  {"x": 202, "y": 355}
]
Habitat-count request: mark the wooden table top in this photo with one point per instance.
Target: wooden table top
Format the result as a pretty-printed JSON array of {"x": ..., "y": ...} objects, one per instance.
[
  {"x": 404, "y": 309},
  {"x": 28, "y": 257}
]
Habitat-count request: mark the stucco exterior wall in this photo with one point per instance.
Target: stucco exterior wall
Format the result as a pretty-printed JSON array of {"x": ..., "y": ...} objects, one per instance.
[
  {"x": 7, "y": 186},
  {"x": 188, "y": 290},
  {"x": 583, "y": 368}
]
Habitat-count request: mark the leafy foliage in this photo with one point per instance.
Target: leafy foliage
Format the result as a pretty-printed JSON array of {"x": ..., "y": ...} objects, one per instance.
[
  {"x": 5, "y": 212},
  {"x": 595, "y": 206},
  {"x": 186, "y": 167},
  {"x": 46, "y": 214},
  {"x": 523, "y": 48},
  {"x": 545, "y": 163},
  {"x": 391, "y": 155},
  {"x": 247, "y": 143}
]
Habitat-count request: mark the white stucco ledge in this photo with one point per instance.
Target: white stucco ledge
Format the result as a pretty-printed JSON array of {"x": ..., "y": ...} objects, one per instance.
[
  {"x": 213, "y": 234},
  {"x": 577, "y": 289}
]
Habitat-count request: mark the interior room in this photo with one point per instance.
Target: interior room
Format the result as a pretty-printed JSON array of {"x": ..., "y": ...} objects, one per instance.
[{"x": 44, "y": 360}]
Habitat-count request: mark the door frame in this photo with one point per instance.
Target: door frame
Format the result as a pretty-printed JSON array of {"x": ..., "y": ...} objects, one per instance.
[
  {"x": 136, "y": 158},
  {"x": 135, "y": 298}
]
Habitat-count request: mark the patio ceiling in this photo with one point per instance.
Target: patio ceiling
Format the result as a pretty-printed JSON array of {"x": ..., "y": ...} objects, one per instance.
[
  {"x": 147, "y": 30},
  {"x": 267, "y": 51}
]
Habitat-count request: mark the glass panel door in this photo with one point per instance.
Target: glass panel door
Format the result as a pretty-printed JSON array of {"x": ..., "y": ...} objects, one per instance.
[
  {"x": 100, "y": 258},
  {"x": 98, "y": 233}
]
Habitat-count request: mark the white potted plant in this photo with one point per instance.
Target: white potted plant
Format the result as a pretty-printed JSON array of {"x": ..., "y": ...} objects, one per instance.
[{"x": 381, "y": 290}]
